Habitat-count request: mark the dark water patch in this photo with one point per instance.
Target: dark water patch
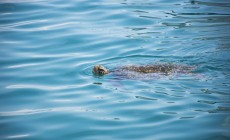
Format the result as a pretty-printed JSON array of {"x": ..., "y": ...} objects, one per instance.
[
  {"x": 144, "y": 98},
  {"x": 186, "y": 117},
  {"x": 170, "y": 113}
]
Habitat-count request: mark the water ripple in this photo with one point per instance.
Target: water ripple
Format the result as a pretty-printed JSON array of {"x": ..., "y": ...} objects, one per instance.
[
  {"x": 23, "y": 65},
  {"x": 39, "y": 111},
  {"x": 22, "y": 23},
  {"x": 43, "y": 87},
  {"x": 17, "y": 136}
]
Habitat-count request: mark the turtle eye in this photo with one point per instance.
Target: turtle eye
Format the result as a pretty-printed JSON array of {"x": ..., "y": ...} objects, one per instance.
[{"x": 100, "y": 71}]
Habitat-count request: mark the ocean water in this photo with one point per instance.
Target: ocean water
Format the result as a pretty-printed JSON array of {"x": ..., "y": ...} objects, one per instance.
[{"x": 49, "y": 47}]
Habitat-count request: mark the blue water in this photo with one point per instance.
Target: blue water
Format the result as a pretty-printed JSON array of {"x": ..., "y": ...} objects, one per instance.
[{"x": 48, "y": 48}]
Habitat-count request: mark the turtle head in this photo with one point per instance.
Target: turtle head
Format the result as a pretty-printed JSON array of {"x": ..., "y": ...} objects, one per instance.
[{"x": 100, "y": 70}]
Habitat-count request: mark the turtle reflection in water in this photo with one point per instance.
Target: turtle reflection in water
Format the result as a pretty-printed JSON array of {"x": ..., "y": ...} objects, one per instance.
[{"x": 144, "y": 71}]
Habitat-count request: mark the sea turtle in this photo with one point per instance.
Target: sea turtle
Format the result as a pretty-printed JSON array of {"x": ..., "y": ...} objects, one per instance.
[{"x": 144, "y": 71}]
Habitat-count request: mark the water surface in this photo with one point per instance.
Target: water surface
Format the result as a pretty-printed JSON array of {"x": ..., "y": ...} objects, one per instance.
[{"x": 48, "y": 49}]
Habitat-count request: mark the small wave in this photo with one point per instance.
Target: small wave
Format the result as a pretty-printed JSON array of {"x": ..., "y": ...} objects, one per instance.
[
  {"x": 43, "y": 87},
  {"x": 11, "y": 25},
  {"x": 39, "y": 111},
  {"x": 20, "y": 136},
  {"x": 22, "y": 65}
]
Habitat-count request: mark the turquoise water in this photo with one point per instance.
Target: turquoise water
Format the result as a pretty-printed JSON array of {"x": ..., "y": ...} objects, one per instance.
[{"x": 48, "y": 49}]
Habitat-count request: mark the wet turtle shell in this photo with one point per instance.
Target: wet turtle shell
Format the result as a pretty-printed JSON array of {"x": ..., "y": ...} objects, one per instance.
[{"x": 145, "y": 71}]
